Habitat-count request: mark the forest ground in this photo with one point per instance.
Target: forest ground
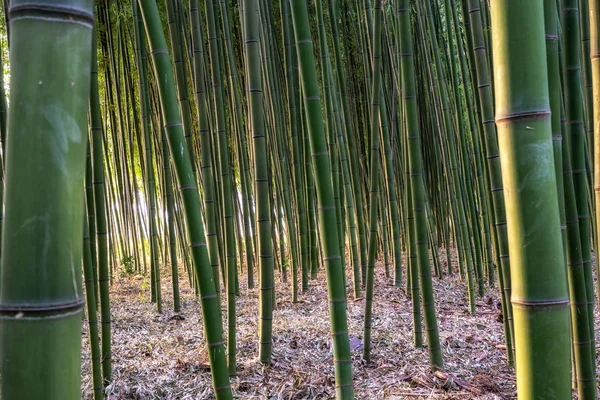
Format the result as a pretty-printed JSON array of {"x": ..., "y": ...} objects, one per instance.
[{"x": 164, "y": 356}]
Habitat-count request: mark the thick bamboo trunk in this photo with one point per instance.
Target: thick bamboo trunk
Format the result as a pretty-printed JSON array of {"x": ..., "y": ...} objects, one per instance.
[
  {"x": 41, "y": 299},
  {"x": 539, "y": 291}
]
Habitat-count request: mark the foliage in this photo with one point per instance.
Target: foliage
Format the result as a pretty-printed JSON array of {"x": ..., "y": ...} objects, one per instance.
[{"x": 127, "y": 267}]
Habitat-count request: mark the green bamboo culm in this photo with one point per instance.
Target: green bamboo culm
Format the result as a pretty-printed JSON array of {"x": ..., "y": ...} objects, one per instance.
[
  {"x": 41, "y": 299},
  {"x": 101, "y": 219},
  {"x": 191, "y": 199},
  {"x": 148, "y": 158},
  {"x": 3, "y": 115},
  {"x": 374, "y": 178},
  {"x": 221, "y": 138},
  {"x": 481, "y": 80},
  {"x": 91, "y": 215},
  {"x": 206, "y": 156},
  {"x": 171, "y": 222},
  {"x": 417, "y": 186},
  {"x": 3, "y": 126},
  {"x": 291, "y": 69},
  {"x": 539, "y": 291},
  {"x": 261, "y": 180},
  {"x": 576, "y": 141},
  {"x": 583, "y": 347},
  {"x": 92, "y": 312},
  {"x": 350, "y": 135},
  {"x": 325, "y": 198},
  {"x": 594, "y": 15}
]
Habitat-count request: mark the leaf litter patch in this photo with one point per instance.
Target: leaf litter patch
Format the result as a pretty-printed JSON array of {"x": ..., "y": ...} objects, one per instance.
[{"x": 164, "y": 356}]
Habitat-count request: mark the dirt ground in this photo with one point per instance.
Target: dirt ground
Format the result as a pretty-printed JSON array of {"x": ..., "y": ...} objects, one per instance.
[{"x": 164, "y": 356}]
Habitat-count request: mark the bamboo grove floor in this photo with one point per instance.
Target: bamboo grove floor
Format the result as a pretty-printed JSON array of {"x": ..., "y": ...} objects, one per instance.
[{"x": 165, "y": 357}]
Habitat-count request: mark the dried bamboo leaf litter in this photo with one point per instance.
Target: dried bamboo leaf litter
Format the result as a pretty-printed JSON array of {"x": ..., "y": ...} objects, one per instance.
[{"x": 165, "y": 356}]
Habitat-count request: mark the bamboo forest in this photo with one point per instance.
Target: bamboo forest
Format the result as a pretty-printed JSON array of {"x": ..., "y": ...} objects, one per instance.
[{"x": 299, "y": 199}]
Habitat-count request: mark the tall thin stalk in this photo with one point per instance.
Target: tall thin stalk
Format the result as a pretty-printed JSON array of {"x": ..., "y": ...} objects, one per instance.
[
  {"x": 191, "y": 200},
  {"x": 327, "y": 210},
  {"x": 261, "y": 180}
]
